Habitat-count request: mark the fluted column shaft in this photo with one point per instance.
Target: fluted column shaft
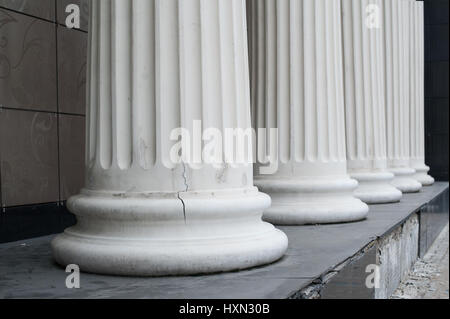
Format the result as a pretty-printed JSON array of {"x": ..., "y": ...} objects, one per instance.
[
  {"x": 397, "y": 38},
  {"x": 156, "y": 66},
  {"x": 365, "y": 101},
  {"x": 417, "y": 84},
  {"x": 297, "y": 87}
]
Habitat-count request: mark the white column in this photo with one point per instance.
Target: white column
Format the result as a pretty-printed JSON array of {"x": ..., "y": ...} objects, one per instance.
[
  {"x": 417, "y": 85},
  {"x": 365, "y": 101},
  {"x": 398, "y": 95},
  {"x": 297, "y": 87},
  {"x": 154, "y": 66}
]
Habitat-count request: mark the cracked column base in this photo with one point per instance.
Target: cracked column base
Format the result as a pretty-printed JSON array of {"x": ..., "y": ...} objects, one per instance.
[
  {"x": 312, "y": 201},
  {"x": 147, "y": 234}
]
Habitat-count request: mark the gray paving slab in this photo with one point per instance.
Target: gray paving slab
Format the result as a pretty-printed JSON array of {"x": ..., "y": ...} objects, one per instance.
[{"x": 28, "y": 271}]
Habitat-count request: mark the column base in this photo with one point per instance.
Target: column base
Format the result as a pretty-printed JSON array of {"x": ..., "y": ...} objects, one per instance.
[
  {"x": 312, "y": 201},
  {"x": 376, "y": 188},
  {"x": 422, "y": 176},
  {"x": 161, "y": 234},
  {"x": 404, "y": 180}
]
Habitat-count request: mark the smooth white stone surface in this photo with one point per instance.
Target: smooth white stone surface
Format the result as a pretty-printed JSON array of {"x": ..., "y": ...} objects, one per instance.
[
  {"x": 155, "y": 66},
  {"x": 376, "y": 188},
  {"x": 404, "y": 180},
  {"x": 422, "y": 176},
  {"x": 297, "y": 87},
  {"x": 365, "y": 104},
  {"x": 318, "y": 200},
  {"x": 398, "y": 93},
  {"x": 418, "y": 95}
]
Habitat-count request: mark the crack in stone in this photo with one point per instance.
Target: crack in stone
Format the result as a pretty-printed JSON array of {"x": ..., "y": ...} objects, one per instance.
[{"x": 185, "y": 190}]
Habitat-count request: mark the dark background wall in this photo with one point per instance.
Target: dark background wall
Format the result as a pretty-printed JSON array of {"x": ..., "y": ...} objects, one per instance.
[
  {"x": 42, "y": 107},
  {"x": 436, "y": 87}
]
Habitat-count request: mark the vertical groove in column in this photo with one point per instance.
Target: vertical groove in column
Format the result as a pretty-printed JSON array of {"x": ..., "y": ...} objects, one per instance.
[
  {"x": 389, "y": 69},
  {"x": 400, "y": 121},
  {"x": 321, "y": 87},
  {"x": 339, "y": 62},
  {"x": 244, "y": 56},
  {"x": 257, "y": 56},
  {"x": 360, "y": 79},
  {"x": 121, "y": 83},
  {"x": 235, "y": 65},
  {"x": 331, "y": 101},
  {"x": 396, "y": 39},
  {"x": 190, "y": 64},
  {"x": 260, "y": 48},
  {"x": 271, "y": 65},
  {"x": 104, "y": 120},
  {"x": 380, "y": 151},
  {"x": 406, "y": 80},
  {"x": 374, "y": 149},
  {"x": 227, "y": 65},
  {"x": 212, "y": 80},
  {"x": 263, "y": 61},
  {"x": 222, "y": 75},
  {"x": 283, "y": 101},
  {"x": 91, "y": 84},
  {"x": 310, "y": 102},
  {"x": 350, "y": 53},
  {"x": 143, "y": 92},
  {"x": 297, "y": 96},
  {"x": 397, "y": 109},
  {"x": 251, "y": 54},
  {"x": 415, "y": 115},
  {"x": 167, "y": 72},
  {"x": 334, "y": 80},
  {"x": 367, "y": 107},
  {"x": 260, "y": 76},
  {"x": 241, "y": 64}
]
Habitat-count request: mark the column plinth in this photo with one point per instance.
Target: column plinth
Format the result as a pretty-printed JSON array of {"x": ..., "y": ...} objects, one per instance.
[
  {"x": 297, "y": 87},
  {"x": 397, "y": 26},
  {"x": 421, "y": 173},
  {"x": 376, "y": 188},
  {"x": 154, "y": 67},
  {"x": 417, "y": 85},
  {"x": 365, "y": 104}
]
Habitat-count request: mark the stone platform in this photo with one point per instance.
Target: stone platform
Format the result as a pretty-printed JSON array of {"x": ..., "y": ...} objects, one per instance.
[{"x": 322, "y": 261}]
